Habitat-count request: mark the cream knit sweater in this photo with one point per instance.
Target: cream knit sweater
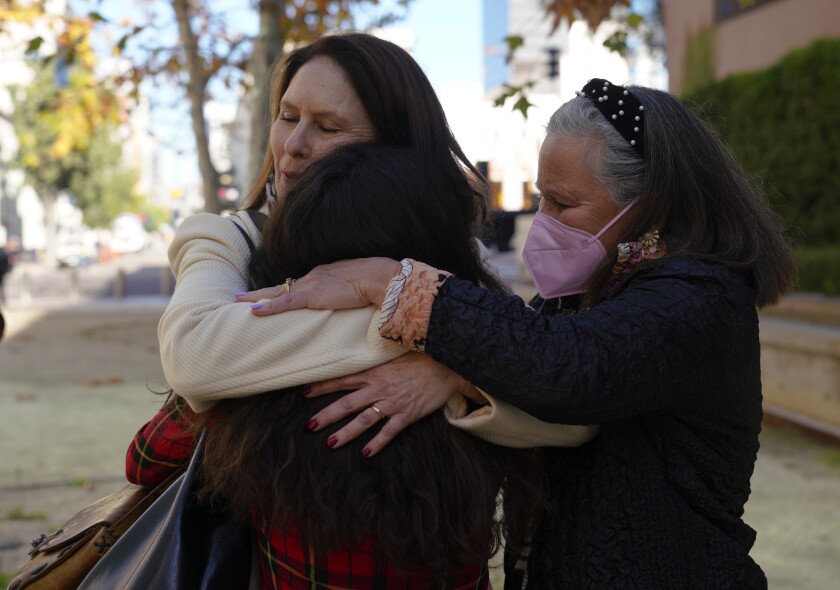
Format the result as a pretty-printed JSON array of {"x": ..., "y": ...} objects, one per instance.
[{"x": 213, "y": 347}]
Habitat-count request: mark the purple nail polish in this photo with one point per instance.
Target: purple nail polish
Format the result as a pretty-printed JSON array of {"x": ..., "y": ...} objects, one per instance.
[
  {"x": 240, "y": 293},
  {"x": 257, "y": 306}
]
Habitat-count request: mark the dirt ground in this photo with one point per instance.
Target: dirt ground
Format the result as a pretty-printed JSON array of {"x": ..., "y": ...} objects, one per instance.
[{"x": 75, "y": 386}]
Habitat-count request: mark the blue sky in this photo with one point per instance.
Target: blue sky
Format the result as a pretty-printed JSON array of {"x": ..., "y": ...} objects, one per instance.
[
  {"x": 448, "y": 39},
  {"x": 447, "y": 46}
]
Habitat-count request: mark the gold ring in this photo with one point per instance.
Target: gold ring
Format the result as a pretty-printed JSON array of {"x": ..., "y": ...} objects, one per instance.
[
  {"x": 288, "y": 285},
  {"x": 378, "y": 411}
]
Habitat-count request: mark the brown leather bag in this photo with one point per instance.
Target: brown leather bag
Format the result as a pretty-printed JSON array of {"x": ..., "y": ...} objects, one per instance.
[{"x": 61, "y": 561}]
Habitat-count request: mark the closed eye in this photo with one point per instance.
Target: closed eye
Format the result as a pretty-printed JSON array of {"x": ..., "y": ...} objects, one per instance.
[{"x": 554, "y": 203}]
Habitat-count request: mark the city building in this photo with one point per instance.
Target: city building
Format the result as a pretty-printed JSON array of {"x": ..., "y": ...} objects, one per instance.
[
  {"x": 558, "y": 64},
  {"x": 710, "y": 39},
  {"x": 141, "y": 152}
]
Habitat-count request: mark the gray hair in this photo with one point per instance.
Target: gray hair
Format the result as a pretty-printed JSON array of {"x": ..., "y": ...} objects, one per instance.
[
  {"x": 689, "y": 187},
  {"x": 613, "y": 161}
]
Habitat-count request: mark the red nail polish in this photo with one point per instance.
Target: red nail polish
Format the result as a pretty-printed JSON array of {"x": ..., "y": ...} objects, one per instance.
[
  {"x": 332, "y": 441},
  {"x": 313, "y": 424},
  {"x": 306, "y": 390},
  {"x": 366, "y": 453}
]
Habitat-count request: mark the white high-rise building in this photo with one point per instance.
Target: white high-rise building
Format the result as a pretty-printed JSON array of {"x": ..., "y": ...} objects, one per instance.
[{"x": 510, "y": 142}]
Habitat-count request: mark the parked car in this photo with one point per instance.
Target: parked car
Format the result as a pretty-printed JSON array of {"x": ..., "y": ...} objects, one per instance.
[
  {"x": 127, "y": 234},
  {"x": 73, "y": 248}
]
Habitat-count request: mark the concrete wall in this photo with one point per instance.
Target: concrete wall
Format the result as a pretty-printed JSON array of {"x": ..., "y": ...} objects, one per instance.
[
  {"x": 682, "y": 20},
  {"x": 800, "y": 361},
  {"x": 752, "y": 40}
]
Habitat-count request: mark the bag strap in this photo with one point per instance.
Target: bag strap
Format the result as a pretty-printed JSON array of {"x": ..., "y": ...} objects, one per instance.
[
  {"x": 245, "y": 235},
  {"x": 259, "y": 220}
]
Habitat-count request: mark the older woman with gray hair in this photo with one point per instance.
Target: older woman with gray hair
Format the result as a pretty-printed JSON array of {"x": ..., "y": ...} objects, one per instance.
[{"x": 651, "y": 251}]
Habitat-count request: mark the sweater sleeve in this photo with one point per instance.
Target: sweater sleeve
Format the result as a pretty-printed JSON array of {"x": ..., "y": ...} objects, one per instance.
[
  {"x": 502, "y": 424},
  {"x": 664, "y": 339},
  {"x": 213, "y": 347},
  {"x": 498, "y": 422}
]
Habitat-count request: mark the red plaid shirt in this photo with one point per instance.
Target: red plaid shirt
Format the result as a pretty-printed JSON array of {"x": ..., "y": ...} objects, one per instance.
[{"x": 164, "y": 443}]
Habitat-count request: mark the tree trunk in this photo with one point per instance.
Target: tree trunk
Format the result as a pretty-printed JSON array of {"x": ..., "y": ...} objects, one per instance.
[
  {"x": 195, "y": 91},
  {"x": 268, "y": 47}
]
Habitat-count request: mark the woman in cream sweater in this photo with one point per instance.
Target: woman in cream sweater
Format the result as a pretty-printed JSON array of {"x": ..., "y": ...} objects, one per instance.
[{"x": 338, "y": 90}]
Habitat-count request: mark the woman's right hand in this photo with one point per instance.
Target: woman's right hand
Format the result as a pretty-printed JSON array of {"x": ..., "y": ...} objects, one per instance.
[
  {"x": 404, "y": 390},
  {"x": 345, "y": 284}
]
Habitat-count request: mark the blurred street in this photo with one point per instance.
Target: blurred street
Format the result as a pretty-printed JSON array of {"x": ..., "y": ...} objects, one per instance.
[
  {"x": 38, "y": 284},
  {"x": 77, "y": 372}
]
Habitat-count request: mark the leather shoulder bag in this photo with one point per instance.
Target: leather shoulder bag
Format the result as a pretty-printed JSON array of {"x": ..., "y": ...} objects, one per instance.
[{"x": 177, "y": 543}]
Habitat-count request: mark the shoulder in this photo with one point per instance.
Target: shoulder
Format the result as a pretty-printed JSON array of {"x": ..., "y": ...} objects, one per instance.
[
  {"x": 698, "y": 289},
  {"x": 206, "y": 228},
  {"x": 699, "y": 273},
  {"x": 210, "y": 223},
  {"x": 207, "y": 236}
]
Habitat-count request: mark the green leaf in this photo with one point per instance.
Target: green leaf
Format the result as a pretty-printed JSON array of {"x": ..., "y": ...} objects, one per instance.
[
  {"x": 121, "y": 43},
  {"x": 70, "y": 56},
  {"x": 34, "y": 44},
  {"x": 522, "y": 105},
  {"x": 617, "y": 42},
  {"x": 634, "y": 21},
  {"x": 514, "y": 42},
  {"x": 96, "y": 17}
]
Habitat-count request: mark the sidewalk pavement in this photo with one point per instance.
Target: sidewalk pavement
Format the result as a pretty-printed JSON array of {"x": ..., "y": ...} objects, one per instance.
[{"x": 75, "y": 386}]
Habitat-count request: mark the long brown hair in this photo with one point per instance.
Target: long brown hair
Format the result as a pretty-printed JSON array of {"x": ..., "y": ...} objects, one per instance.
[
  {"x": 401, "y": 104},
  {"x": 429, "y": 500}
]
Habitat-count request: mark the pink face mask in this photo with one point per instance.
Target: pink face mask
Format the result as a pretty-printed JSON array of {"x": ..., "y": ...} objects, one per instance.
[{"x": 561, "y": 259}]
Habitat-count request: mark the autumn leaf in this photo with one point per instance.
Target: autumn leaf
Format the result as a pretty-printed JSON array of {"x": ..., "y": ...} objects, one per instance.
[{"x": 594, "y": 12}]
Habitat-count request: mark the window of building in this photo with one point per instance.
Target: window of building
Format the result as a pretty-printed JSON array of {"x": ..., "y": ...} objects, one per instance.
[{"x": 725, "y": 9}]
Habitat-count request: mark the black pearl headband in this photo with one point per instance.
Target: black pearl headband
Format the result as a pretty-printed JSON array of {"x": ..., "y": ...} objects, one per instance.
[{"x": 620, "y": 107}]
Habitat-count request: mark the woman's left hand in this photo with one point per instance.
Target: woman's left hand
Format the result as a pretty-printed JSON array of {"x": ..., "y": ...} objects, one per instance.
[
  {"x": 404, "y": 390},
  {"x": 345, "y": 284}
]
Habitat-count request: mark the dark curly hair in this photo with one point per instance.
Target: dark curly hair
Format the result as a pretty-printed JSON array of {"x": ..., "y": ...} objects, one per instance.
[{"x": 431, "y": 498}]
